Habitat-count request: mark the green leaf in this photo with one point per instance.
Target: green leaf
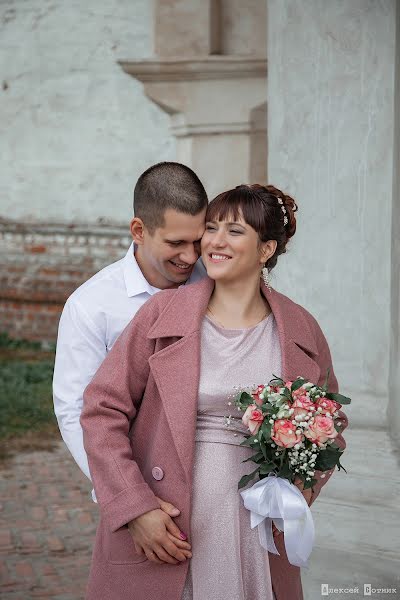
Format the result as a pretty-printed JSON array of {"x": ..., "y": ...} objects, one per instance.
[
  {"x": 276, "y": 381},
  {"x": 309, "y": 484},
  {"x": 338, "y": 398},
  {"x": 267, "y": 468},
  {"x": 328, "y": 458},
  {"x": 246, "y": 442},
  {"x": 328, "y": 372},
  {"x": 266, "y": 428},
  {"x": 286, "y": 394},
  {"x": 285, "y": 471},
  {"x": 297, "y": 384},
  {"x": 247, "y": 478},
  {"x": 263, "y": 448},
  {"x": 255, "y": 457}
]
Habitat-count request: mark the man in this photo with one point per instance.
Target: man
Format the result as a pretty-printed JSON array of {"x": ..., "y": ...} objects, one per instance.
[{"x": 170, "y": 203}]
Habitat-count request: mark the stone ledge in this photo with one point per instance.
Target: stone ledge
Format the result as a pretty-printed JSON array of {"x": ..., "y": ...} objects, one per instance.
[{"x": 201, "y": 69}]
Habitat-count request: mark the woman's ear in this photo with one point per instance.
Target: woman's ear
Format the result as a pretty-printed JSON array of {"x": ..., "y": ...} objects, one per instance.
[{"x": 268, "y": 250}]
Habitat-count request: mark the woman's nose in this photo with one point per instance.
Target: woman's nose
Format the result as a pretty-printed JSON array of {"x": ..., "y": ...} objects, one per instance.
[{"x": 219, "y": 239}]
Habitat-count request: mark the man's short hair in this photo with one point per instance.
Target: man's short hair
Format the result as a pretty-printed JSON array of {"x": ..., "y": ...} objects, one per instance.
[{"x": 167, "y": 185}]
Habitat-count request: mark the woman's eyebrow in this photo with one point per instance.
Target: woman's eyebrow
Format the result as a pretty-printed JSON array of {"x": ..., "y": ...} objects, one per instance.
[{"x": 228, "y": 223}]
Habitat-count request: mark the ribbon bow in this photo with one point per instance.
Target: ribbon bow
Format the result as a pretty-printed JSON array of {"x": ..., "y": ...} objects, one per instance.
[{"x": 274, "y": 499}]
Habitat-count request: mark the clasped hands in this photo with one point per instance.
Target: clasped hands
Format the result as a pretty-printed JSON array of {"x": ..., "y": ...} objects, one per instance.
[{"x": 155, "y": 535}]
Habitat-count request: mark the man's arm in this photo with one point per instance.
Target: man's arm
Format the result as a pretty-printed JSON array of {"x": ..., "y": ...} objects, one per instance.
[{"x": 81, "y": 349}]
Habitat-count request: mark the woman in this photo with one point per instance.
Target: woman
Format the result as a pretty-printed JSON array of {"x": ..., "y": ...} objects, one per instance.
[{"x": 154, "y": 424}]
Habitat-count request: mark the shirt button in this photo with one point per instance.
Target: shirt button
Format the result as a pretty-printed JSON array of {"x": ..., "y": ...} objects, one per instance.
[{"x": 157, "y": 473}]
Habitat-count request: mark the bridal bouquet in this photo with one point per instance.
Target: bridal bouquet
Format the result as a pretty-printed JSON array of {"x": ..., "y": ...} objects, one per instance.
[{"x": 292, "y": 430}]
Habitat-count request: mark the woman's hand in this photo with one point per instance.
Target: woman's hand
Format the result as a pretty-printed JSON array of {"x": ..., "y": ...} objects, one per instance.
[
  {"x": 172, "y": 511},
  {"x": 307, "y": 494},
  {"x": 157, "y": 536}
]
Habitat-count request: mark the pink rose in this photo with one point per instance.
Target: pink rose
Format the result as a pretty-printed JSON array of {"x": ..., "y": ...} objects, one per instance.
[
  {"x": 253, "y": 418},
  {"x": 321, "y": 430},
  {"x": 256, "y": 394},
  {"x": 328, "y": 406},
  {"x": 284, "y": 433},
  {"x": 301, "y": 391},
  {"x": 302, "y": 405}
]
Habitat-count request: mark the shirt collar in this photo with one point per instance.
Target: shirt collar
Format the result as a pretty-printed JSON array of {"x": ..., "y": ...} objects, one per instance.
[{"x": 135, "y": 281}]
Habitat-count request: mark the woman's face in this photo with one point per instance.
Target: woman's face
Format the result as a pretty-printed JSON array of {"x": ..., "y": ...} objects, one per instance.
[{"x": 231, "y": 250}]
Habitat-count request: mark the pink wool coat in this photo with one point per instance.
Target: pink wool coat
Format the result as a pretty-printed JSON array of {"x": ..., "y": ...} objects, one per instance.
[{"x": 139, "y": 421}]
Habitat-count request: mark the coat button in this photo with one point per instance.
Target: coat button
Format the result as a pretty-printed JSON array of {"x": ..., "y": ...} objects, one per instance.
[{"x": 157, "y": 473}]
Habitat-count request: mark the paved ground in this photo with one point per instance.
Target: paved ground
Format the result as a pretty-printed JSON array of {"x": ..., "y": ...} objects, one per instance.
[
  {"x": 47, "y": 527},
  {"x": 48, "y": 521}
]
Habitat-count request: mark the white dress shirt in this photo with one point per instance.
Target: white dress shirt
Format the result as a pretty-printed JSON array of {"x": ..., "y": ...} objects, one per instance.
[{"x": 92, "y": 319}]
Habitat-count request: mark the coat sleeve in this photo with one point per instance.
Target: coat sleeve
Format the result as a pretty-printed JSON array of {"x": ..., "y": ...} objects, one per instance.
[
  {"x": 110, "y": 403},
  {"x": 324, "y": 361}
]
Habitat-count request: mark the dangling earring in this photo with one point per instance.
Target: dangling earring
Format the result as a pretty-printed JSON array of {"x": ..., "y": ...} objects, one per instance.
[{"x": 266, "y": 277}]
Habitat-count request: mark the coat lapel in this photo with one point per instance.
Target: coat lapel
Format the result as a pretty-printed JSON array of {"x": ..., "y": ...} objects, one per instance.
[
  {"x": 298, "y": 344},
  {"x": 176, "y": 371},
  {"x": 176, "y": 368}
]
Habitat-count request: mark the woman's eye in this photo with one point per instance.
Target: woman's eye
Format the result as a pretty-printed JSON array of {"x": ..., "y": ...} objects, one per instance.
[
  {"x": 210, "y": 228},
  {"x": 236, "y": 231}
]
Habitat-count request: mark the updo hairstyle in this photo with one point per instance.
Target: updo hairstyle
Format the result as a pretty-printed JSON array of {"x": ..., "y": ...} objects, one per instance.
[{"x": 264, "y": 207}]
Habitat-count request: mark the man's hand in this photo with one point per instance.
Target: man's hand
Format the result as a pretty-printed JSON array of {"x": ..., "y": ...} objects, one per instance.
[
  {"x": 307, "y": 494},
  {"x": 158, "y": 537}
]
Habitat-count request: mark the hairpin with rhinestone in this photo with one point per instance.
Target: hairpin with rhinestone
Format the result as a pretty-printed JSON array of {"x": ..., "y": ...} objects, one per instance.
[{"x": 283, "y": 209}]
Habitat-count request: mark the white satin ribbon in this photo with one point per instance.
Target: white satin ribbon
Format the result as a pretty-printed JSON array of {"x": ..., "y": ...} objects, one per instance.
[{"x": 274, "y": 499}]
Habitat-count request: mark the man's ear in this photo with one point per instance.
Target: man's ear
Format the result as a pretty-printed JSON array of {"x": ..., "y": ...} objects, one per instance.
[{"x": 137, "y": 230}]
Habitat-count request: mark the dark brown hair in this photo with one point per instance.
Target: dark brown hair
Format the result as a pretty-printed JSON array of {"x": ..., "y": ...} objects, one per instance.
[
  {"x": 259, "y": 205},
  {"x": 167, "y": 185}
]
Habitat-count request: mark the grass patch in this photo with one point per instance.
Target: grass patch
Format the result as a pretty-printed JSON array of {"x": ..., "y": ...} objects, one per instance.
[{"x": 26, "y": 405}]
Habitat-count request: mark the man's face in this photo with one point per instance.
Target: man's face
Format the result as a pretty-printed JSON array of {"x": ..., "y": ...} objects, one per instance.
[{"x": 167, "y": 256}]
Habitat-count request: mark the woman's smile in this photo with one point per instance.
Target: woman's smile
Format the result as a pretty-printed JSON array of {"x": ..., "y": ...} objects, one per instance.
[{"x": 218, "y": 257}]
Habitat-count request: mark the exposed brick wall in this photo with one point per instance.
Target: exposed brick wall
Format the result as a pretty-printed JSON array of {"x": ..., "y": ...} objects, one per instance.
[{"x": 42, "y": 264}]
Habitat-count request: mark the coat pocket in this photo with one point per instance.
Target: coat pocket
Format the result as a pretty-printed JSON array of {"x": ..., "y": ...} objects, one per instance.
[{"x": 120, "y": 548}]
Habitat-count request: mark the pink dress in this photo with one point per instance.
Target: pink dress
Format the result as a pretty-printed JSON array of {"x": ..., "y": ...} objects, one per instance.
[{"x": 228, "y": 560}]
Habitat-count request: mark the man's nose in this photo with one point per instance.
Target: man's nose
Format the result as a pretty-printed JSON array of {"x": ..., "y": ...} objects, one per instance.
[{"x": 191, "y": 254}]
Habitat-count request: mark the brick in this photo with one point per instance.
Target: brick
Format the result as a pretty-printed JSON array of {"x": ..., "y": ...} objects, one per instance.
[
  {"x": 5, "y": 540},
  {"x": 38, "y": 513},
  {"x": 40, "y": 249},
  {"x": 55, "y": 544},
  {"x": 85, "y": 518},
  {"x": 24, "y": 569},
  {"x": 47, "y": 569},
  {"x": 36, "y": 264},
  {"x": 44, "y": 592},
  {"x": 29, "y": 542}
]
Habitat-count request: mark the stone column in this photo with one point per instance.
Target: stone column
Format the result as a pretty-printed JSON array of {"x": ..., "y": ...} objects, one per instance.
[
  {"x": 330, "y": 135},
  {"x": 209, "y": 75},
  {"x": 394, "y": 367}
]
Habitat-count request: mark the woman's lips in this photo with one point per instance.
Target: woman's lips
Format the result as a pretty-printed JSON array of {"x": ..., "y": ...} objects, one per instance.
[{"x": 218, "y": 258}]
